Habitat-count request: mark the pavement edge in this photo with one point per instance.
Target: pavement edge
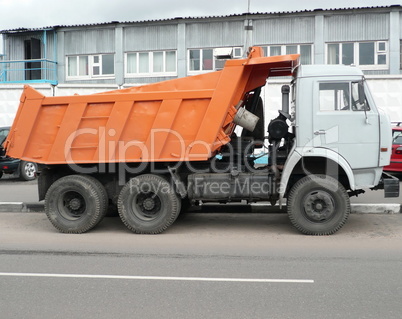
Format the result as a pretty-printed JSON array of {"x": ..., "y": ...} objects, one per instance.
[{"x": 21, "y": 207}]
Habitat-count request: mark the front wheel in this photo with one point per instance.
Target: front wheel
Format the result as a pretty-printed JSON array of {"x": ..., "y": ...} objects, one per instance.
[
  {"x": 148, "y": 204},
  {"x": 318, "y": 205}
]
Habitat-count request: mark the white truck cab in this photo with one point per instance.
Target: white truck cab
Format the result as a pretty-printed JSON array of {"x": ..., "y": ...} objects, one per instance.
[{"x": 338, "y": 127}]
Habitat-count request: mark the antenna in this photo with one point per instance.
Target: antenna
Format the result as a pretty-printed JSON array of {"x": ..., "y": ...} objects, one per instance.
[{"x": 248, "y": 27}]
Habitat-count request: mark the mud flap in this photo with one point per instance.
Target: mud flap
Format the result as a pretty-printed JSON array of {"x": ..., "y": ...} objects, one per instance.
[{"x": 390, "y": 185}]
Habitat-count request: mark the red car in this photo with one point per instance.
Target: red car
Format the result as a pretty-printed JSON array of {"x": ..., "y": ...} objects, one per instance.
[{"x": 396, "y": 155}]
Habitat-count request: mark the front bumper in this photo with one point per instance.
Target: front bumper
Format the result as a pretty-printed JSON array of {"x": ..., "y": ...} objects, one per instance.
[{"x": 390, "y": 185}]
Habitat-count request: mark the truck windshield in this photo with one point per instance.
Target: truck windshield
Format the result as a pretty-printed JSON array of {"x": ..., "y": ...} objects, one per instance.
[
  {"x": 397, "y": 137},
  {"x": 3, "y": 135}
]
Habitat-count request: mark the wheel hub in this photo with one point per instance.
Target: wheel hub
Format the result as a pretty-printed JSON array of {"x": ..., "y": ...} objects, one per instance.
[
  {"x": 149, "y": 204},
  {"x": 75, "y": 204},
  {"x": 30, "y": 170},
  {"x": 319, "y": 206}
]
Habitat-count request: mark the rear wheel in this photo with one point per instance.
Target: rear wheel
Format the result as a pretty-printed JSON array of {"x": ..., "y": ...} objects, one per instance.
[
  {"x": 318, "y": 205},
  {"x": 148, "y": 204},
  {"x": 76, "y": 203}
]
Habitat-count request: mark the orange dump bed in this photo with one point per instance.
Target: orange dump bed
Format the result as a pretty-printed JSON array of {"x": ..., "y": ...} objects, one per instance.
[{"x": 183, "y": 119}]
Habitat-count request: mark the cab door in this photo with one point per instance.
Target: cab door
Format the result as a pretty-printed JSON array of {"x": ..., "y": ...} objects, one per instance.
[{"x": 344, "y": 122}]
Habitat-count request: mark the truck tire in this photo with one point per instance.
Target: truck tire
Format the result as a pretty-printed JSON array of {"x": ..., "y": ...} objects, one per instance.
[
  {"x": 28, "y": 170},
  {"x": 76, "y": 203},
  {"x": 318, "y": 205},
  {"x": 148, "y": 204}
]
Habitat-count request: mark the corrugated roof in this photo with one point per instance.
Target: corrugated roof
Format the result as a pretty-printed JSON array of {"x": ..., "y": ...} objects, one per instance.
[{"x": 20, "y": 30}]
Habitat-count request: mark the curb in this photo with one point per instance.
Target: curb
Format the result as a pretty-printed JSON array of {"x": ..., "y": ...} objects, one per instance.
[
  {"x": 387, "y": 208},
  {"x": 376, "y": 208},
  {"x": 20, "y": 207}
]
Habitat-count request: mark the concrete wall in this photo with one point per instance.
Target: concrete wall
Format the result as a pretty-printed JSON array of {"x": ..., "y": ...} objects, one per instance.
[
  {"x": 387, "y": 93},
  {"x": 386, "y": 90},
  {"x": 9, "y": 100}
]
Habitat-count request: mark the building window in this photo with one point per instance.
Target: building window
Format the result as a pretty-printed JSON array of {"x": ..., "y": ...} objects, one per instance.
[
  {"x": 90, "y": 66},
  {"x": 367, "y": 55},
  {"x": 151, "y": 63},
  {"x": 211, "y": 59},
  {"x": 401, "y": 54},
  {"x": 305, "y": 51},
  {"x": 201, "y": 60}
]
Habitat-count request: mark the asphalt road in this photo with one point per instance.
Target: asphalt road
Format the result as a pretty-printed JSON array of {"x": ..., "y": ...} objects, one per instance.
[{"x": 204, "y": 266}]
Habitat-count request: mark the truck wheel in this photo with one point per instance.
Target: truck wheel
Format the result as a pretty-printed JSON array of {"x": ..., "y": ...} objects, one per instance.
[
  {"x": 76, "y": 203},
  {"x": 28, "y": 170},
  {"x": 318, "y": 205},
  {"x": 148, "y": 204}
]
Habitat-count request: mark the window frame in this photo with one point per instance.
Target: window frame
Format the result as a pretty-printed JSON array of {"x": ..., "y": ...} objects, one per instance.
[
  {"x": 400, "y": 55},
  {"x": 283, "y": 47},
  {"x": 3, "y": 135},
  {"x": 151, "y": 65},
  {"x": 237, "y": 52},
  {"x": 356, "y": 54},
  {"x": 396, "y": 134},
  {"x": 90, "y": 67},
  {"x": 201, "y": 55},
  {"x": 338, "y": 97}
]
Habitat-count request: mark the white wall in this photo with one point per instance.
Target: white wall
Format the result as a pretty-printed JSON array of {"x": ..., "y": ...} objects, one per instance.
[
  {"x": 9, "y": 100},
  {"x": 387, "y": 93},
  {"x": 71, "y": 89},
  {"x": 10, "y": 96}
]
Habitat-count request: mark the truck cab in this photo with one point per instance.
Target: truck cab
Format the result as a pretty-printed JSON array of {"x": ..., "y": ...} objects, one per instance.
[{"x": 336, "y": 121}]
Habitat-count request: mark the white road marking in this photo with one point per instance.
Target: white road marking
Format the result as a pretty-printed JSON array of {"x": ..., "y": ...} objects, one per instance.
[{"x": 251, "y": 280}]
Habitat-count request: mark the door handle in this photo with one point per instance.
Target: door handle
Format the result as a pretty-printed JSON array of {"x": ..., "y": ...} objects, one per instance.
[{"x": 319, "y": 132}]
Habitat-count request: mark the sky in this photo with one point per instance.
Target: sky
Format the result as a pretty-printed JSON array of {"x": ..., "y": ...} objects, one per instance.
[{"x": 16, "y": 14}]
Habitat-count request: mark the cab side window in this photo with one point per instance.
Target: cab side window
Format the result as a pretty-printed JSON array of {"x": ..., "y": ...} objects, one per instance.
[
  {"x": 342, "y": 96},
  {"x": 334, "y": 96}
]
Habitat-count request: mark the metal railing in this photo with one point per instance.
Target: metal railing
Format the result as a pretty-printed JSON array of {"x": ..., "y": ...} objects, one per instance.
[{"x": 28, "y": 71}]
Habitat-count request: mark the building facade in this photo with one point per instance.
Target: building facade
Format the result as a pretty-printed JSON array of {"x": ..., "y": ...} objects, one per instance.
[{"x": 60, "y": 60}]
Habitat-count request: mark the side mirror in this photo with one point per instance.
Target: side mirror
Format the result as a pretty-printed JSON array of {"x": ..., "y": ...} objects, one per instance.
[{"x": 362, "y": 96}]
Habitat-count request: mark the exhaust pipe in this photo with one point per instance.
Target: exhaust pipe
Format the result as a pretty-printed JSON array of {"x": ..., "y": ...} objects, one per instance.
[{"x": 285, "y": 98}]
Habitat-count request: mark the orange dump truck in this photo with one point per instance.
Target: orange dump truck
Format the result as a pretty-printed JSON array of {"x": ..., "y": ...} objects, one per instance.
[{"x": 154, "y": 150}]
